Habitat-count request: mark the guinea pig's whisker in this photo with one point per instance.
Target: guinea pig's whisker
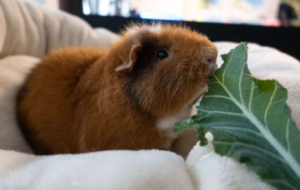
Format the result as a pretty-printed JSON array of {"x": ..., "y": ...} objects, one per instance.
[
  {"x": 135, "y": 145},
  {"x": 175, "y": 90},
  {"x": 118, "y": 145},
  {"x": 176, "y": 87},
  {"x": 164, "y": 82},
  {"x": 190, "y": 73},
  {"x": 82, "y": 139},
  {"x": 180, "y": 65},
  {"x": 178, "y": 84}
]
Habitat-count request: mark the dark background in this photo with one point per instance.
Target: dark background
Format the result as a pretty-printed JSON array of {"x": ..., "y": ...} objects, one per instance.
[{"x": 285, "y": 39}]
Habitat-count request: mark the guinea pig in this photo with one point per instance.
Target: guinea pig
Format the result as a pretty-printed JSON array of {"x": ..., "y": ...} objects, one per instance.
[{"x": 84, "y": 99}]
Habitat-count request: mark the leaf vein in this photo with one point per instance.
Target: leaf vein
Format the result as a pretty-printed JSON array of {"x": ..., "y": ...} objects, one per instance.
[
  {"x": 222, "y": 112},
  {"x": 223, "y": 75},
  {"x": 217, "y": 96},
  {"x": 251, "y": 95},
  {"x": 238, "y": 129},
  {"x": 270, "y": 181},
  {"x": 253, "y": 147},
  {"x": 268, "y": 106},
  {"x": 287, "y": 135},
  {"x": 240, "y": 87}
]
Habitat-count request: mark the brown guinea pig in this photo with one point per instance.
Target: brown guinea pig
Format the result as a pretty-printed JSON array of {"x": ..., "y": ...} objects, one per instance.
[{"x": 84, "y": 99}]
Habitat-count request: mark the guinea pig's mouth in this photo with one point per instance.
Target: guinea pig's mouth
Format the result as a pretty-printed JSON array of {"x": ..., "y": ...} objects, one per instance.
[
  {"x": 212, "y": 72},
  {"x": 195, "y": 101},
  {"x": 212, "y": 69}
]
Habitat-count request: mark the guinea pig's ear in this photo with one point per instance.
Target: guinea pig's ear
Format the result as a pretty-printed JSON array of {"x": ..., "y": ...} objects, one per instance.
[{"x": 132, "y": 58}]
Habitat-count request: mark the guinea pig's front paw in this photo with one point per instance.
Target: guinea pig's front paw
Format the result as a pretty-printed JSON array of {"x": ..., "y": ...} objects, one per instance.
[{"x": 194, "y": 111}]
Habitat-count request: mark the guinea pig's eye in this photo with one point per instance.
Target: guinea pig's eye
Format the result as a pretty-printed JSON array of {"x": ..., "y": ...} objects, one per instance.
[{"x": 162, "y": 54}]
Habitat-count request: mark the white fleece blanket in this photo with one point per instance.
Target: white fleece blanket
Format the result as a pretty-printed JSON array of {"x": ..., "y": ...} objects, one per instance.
[{"x": 27, "y": 32}]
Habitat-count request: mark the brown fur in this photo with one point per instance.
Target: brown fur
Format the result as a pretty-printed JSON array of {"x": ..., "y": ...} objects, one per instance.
[{"x": 75, "y": 101}]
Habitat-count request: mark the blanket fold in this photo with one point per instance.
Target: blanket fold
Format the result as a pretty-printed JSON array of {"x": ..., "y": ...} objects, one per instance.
[{"x": 111, "y": 170}]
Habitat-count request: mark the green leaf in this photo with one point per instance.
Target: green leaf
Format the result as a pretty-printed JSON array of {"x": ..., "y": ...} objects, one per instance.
[{"x": 250, "y": 121}]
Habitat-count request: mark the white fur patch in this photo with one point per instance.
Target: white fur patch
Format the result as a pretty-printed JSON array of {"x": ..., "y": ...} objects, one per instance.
[
  {"x": 155, "y": 28},
  {"x": 166, "y": 124}
]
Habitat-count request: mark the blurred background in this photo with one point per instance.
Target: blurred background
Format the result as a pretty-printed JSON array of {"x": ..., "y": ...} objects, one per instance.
[
  {"x": 273, "y": 23},
  {"x": 253, "y": 12}
]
